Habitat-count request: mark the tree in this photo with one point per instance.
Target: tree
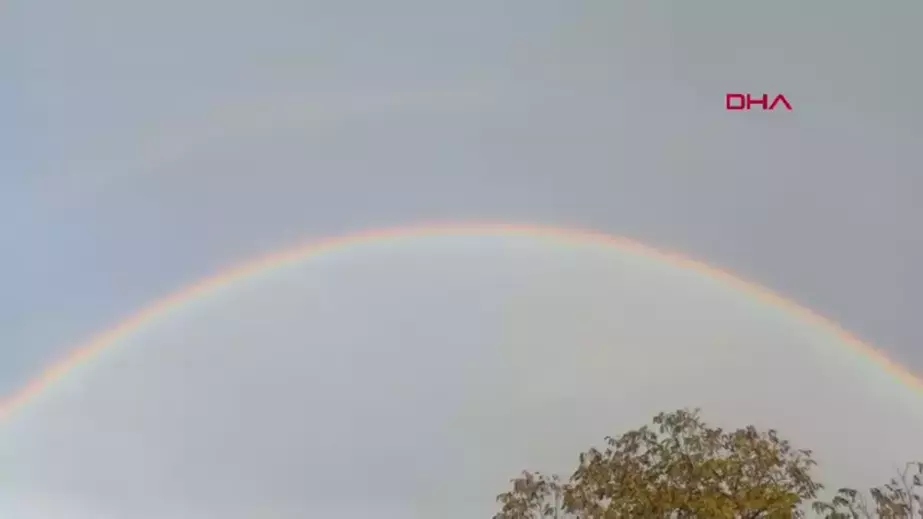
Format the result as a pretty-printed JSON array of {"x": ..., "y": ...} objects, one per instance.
[
  {"x": 901, "y": 498},
  {"x": 682, "y": 468},
  {"x": 678, "y": 468}
]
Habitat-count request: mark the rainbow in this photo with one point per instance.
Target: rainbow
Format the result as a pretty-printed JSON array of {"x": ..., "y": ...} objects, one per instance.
[{"x": 110, "y": 338}]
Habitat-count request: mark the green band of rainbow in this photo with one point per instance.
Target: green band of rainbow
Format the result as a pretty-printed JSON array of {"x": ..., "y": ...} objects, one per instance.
[{"x": 110, "y": 338}]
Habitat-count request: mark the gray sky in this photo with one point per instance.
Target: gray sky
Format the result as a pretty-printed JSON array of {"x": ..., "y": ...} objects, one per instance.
[{"x": 147, "y": 144}]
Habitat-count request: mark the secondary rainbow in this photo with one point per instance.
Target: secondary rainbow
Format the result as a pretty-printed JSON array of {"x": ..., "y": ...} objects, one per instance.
[{"x": 110, "y": 338}]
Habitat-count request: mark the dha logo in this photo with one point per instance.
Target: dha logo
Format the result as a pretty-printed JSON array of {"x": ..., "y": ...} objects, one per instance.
[{"x": 746, "y": 101}]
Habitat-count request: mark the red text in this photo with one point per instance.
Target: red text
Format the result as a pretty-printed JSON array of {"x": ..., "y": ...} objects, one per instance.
[{"x": 746, "y": 101}]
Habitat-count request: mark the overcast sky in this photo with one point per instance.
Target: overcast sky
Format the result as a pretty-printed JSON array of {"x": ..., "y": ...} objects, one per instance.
[{"x": 145, "y": 145}]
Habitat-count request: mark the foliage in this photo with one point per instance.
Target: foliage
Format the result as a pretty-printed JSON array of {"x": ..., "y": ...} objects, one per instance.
[
  {"x": 901, "y": 498},
  {"x": 682, "y": 468},
  {"x": 534, "y": 495},
  {"x": 679, "y": 468}
]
